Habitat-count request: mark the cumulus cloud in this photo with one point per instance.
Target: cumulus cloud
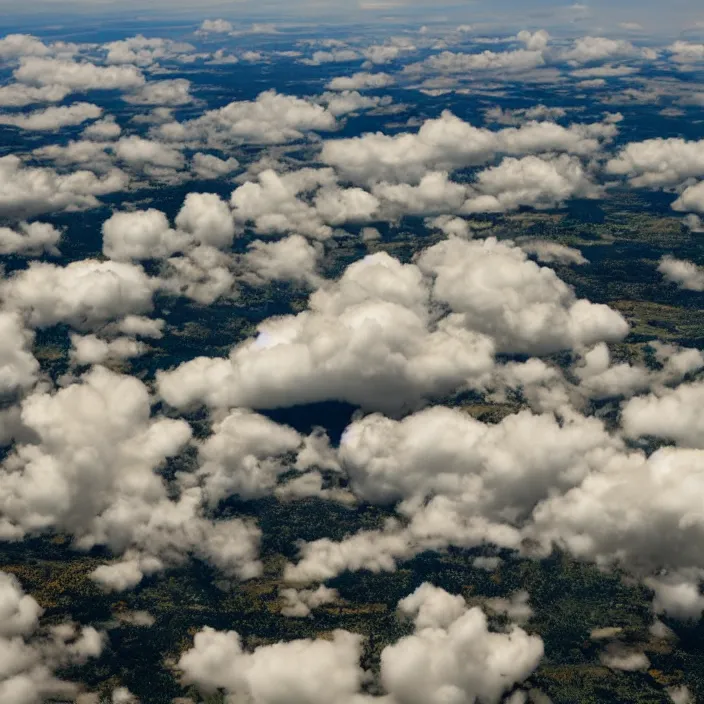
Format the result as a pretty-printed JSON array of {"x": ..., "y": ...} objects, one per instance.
[
  {"x": 19, "y": 95},
  {"x": 684, "y": 52},
  {"x": 361, "y": 81},
  {"x": 551, "y": 252},
  {"x": 507, "y": 116},
  {"x": 305, "y": 671},
  {"x": 524, "y": 307},
  {"x": 691, "y": 199},
  {"x": 78, "y": 76},
  {"x": 207, "y": 219},
  {"x": 272, "y": 203},
  {"x": 460, "y": 482},
  {"x": 619, "y": 657},
  {"x": 378, "y": 349},
  {"x": 215, "y": 26},
  {"x": 107, "y": 128},
  {"x": 449, "y": 143},
  {"x": 90, "y": 349},
  {"x": 84, "y": 293},
  {"x": 209, "y": 166},
  {"x": 26, "y": 191},
  {"x": 453, "y": 651},
  {"x": 593, "y": 49},
  {"x": 90, "y": 470},
  {"x": 539, "y": 182},
  {"x": 685, "y": 274},
  {"x": 172, "y": 92},
  {"x": 450, "y": 650},
  {"x": 144, "y": 51},
  {"x": 659, "y": 162},
  {"x": 380, "y": 307},
  {"x": 288, "y": 259},
  {"x": 30, "y": 655},
  {"x": 30, "y": 239},
  {"x": 659, "y": 532},
  {"x": 270, "y": 119},
  {"x": 203, "y": 274},
  {"x": 141, "y": 234},
  {"x": 449, "y": 62},
  {"x": 18, "y": 367},
  {"x": 52, "y": 119},
  {"x": 299, "y": 603},
  {"x": 535, "y": 41},
  {"x": 669, "y": 414}
]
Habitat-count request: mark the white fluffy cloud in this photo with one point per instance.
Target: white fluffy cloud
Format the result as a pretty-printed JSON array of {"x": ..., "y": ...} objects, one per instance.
[
  {"x": 90, "y": 349},
  {"x": 299, "y": 603},
  {"x": 684, "y": 52},
  {"x": 451, "y": 652},
  {"x": 361, "y": 81},
  {"x": 593, "y": 49},
  {"x": 26, "y": 191},
  {"x": 685, "y": 274},
  {"x": 270, "y": 119},
  {"x": 691, "y": 199},
  {"x": 18, "y": 367},
  {"x": 30, "y": 656},
  {"x": 300, "y": 672},
  {"x": 659, "y": 162},
  {"x": 141, "y": 234},
  {"x": 539, "y": 182},
  {"x": 52, "y": 119},
  {"x": 144, "y": 51},
  {"x": 207, "y": 218},
  {"x": 671, "y": 414},
  {"x": 89, "y": 470},
  {"x": 84, "y": 293},
  {"x": 524, "y": 307},
  {"x": 498, "y": 298},
  {"x": 172, "y": 92},
  {"x": 448, "y": 143},
  {"x": 549, "y": 252},
  {"x": 19, "y": 95},
  {"x": 30, "y": 239},
  {"x": 288, "y": 259},
  {"x": 77, "y": 75},
  {"x": 364, "y": 339},
  {"x": 209, "y": 166},
  {"x": 452, "y": 63}
]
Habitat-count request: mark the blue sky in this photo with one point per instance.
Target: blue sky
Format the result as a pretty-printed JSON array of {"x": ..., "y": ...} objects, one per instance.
[{"x": 680, "y": 17}]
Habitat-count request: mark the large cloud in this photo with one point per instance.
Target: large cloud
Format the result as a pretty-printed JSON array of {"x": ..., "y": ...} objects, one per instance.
[
  {"x": 365, "y": 339},
  {"x": 524, "y": 307},
  {"x": 84, "y": 293},
  {"x": 451, "y": 653},
  {"x": 459, "y": 482},
  {"x": 382, "y": 348},
  {"x": 90, "y": 470},
  {"x": 448, "y": 143}
]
